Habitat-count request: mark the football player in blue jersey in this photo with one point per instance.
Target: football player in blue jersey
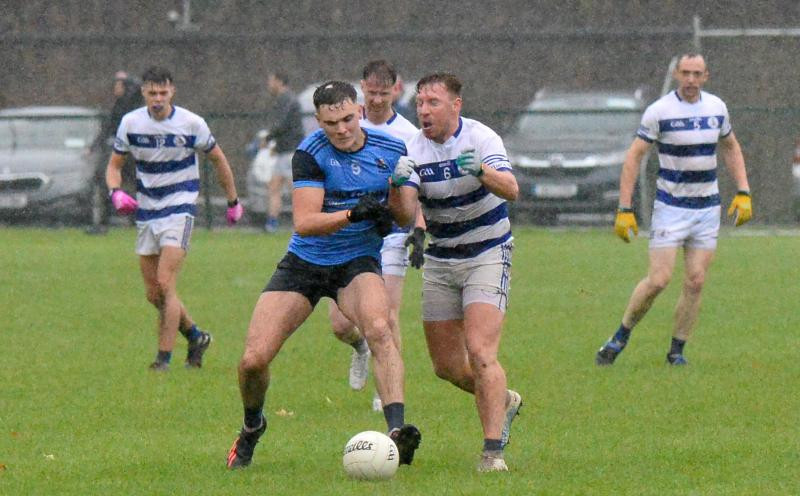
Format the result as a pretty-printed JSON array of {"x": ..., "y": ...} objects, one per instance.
[
  {"x": 164, "y": 140},
  {"x": 340, "y": 177},
  {"x": 687, "y": 125}
]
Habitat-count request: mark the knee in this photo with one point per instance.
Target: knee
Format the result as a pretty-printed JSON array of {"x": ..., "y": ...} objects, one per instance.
[
  {"x": 377, "y": 332},
  {"x": 252, "y": 364},
  {"x": 694, "y": 282},
  {"x": 155, "y": 296},
  {"x": 658, "y": 282},
  {"x": 481, "y": 361}
]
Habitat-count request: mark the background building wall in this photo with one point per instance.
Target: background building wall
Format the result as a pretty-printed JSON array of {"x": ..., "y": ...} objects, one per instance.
[{"x": 65, "y": 53}]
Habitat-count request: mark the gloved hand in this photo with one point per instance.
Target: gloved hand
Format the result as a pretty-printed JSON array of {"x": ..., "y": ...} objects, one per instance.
[
  {"x": 234, "y": 213},
  {"x": 402, "y": 171},
  {"x": 123, "y": 202},
  {"x": 416, "y": 239},
  {"x": 625, "y": 224},
  {"x": 468, "y": 163},
  {"x": 742, "y": 205},
  {"x": 367, "y": 208},
  {"x": 384, "y": 223}
]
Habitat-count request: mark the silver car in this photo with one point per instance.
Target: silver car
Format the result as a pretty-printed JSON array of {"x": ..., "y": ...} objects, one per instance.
[{"x": 47, "y": 166}]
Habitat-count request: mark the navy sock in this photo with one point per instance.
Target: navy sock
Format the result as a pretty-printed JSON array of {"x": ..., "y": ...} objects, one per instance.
[
  {"x": 676, "y": 348},
  {"x": 163, "y": 356},
  {"x": 492, "y": 445},
  {"x": 252, "y": 417},
  {"x": 394, "y": 413},
  {"x": 360, "y": 345},
  {"x": 192, "y": 333},
  {"x": 622, "y": 334}
]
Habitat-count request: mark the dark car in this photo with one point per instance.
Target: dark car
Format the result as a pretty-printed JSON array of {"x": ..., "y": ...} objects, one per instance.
[
  {"x": 567, "y": 151},
  {"x": 47, "y": 164}
]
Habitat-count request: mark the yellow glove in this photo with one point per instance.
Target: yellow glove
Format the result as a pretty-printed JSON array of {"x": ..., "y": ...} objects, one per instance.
[
  {"x": 625, "y": 224},
  {"x": 743, "y": 207}
]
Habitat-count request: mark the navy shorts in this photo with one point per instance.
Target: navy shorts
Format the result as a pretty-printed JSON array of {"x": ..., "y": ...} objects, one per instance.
[{"x": 315, "y": 281}]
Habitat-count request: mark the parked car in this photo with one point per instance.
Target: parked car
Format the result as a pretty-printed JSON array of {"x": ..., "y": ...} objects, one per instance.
[
  {"x": 796, "y": 181},
  {"x": 567, "y": 151},
  {"x": 46, "y": 162}
]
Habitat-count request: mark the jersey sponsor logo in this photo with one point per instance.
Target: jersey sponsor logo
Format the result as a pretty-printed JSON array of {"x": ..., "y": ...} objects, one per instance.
[
  {"x": 698, "y": 123},
  {"x": 180, "y": 141},
  {"x": 382, "y": 164}
]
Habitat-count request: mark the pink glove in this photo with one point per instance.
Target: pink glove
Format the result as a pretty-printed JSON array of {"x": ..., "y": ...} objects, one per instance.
[
  {"x": 234, "y": 213},
  {"x": 123, "y": 202}
]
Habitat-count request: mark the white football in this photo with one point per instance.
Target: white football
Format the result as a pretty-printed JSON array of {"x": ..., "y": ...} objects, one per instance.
[{"x": 370, "y": 455}]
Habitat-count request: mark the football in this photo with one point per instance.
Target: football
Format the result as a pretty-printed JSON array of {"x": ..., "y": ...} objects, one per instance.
[{"x": 370, "y": 455}]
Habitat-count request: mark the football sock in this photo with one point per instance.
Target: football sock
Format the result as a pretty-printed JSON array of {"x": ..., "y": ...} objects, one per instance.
[
  {"x": 622, "y": 334},
  {"x": 492, "y": 445},
  {"x": 252, "y": 418},
  {"x": 163, "y": 356},
  {"x": 191, "y": 334},
  {"x": 676, "y": 348},
  {"x": 394, "y": 413}
]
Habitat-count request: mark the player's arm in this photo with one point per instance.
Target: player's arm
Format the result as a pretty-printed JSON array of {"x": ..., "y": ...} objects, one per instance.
[
  {"x": 114, "y": 170},
  {"x": 224, "y": 173},
  {"x": 500, "y": 182},
  {"x": 403, "y": 203},
  {"x": 307, "y": 214},
  {"x": 630, "y": 171},
  {"x": 731, "y": 153},
  {"x": 741, "y": 205}
]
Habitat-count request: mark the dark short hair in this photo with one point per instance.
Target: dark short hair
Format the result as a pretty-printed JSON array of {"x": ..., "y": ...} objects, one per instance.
[
  {"x": 334, "y": 93},
  {"x": 382, "y": 70},
  {"x": 282, "y": 77},
  {"x": 691, "y": 55},
  {"x": 450, "y": 82},
  {"x": 157, "y": 75}
]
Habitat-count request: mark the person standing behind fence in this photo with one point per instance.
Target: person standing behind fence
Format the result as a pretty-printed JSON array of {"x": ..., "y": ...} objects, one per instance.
[
  {"x": 286, "y": 131},
  {"x": 164, "y": 140},
  {"x": 128, "y": 96},
  {"x": 687, "y": 124}
]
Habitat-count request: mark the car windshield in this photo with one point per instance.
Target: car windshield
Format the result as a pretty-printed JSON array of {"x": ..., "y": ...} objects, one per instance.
[
  {"x": 51, "y": 133},
  {"x": 584, "y": 124}
]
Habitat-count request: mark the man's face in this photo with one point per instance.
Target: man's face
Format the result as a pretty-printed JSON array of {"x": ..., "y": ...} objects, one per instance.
[
  {"x": 378, "y": 95},
  {"x": 340, "y": 123},
  {"x": 691, "y": 74},
  {"x": 274, "y": 85},
  {"x": 437, "y": 111},
  {"x": 158, "y": 97}
]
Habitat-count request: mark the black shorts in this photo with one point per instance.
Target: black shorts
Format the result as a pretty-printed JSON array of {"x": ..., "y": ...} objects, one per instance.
[{"x": 315, "y": 281}]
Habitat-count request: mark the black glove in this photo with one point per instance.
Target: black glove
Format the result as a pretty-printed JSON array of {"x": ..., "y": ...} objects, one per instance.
[
  {"x": 417, "y": 241},
  {"x": 384, "y": 223},
  {"x": 367, "y": 208}
]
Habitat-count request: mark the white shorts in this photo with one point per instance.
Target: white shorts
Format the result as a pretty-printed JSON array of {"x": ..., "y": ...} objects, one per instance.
[
  {"x": 394, "y": 255},
  {"x": 449, "y": 286},
  {"x": 692, "y": 228},
  {"x": 175, "y": 230},
  {"x": 283, "y": 165}
]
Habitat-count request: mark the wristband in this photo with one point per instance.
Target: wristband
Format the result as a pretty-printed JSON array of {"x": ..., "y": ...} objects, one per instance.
[
  {"x": 234, "y": 202},
  {"x": 625, "y": 210},
  {"x": 743, "y": 192},
  {"x": 112, "y": 191}
]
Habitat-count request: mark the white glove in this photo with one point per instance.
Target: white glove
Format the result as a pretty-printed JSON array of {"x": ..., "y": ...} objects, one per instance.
[
  {"x": 402, "y": 171},
  {"x": 468, "y": 163}
]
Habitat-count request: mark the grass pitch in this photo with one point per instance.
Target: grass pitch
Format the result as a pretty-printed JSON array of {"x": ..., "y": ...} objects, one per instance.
[{"x": 80, "y": 413}]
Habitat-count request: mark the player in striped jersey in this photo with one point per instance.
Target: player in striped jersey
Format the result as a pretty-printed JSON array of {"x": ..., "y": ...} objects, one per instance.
[
  {"x": 340, "y": 175},
  {"x": 457, "y": 168},
  {"x": 164, "y": 139},
  {"x": 687, "y": 124},
  {"x": 378, "y": 85}
]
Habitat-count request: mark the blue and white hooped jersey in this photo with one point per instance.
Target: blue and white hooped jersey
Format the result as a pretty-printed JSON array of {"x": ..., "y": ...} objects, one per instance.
[
  {"x": 399, "y": 127},
  {"x": 686, "y": 135},
  {"x": 345, "y": 177},
  {"x": 463, "y": 218},
  {"x": 165, "y": 152}
]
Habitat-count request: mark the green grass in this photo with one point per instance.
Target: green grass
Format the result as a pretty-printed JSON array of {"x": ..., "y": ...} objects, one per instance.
[{"x": 80, "y": 414}]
